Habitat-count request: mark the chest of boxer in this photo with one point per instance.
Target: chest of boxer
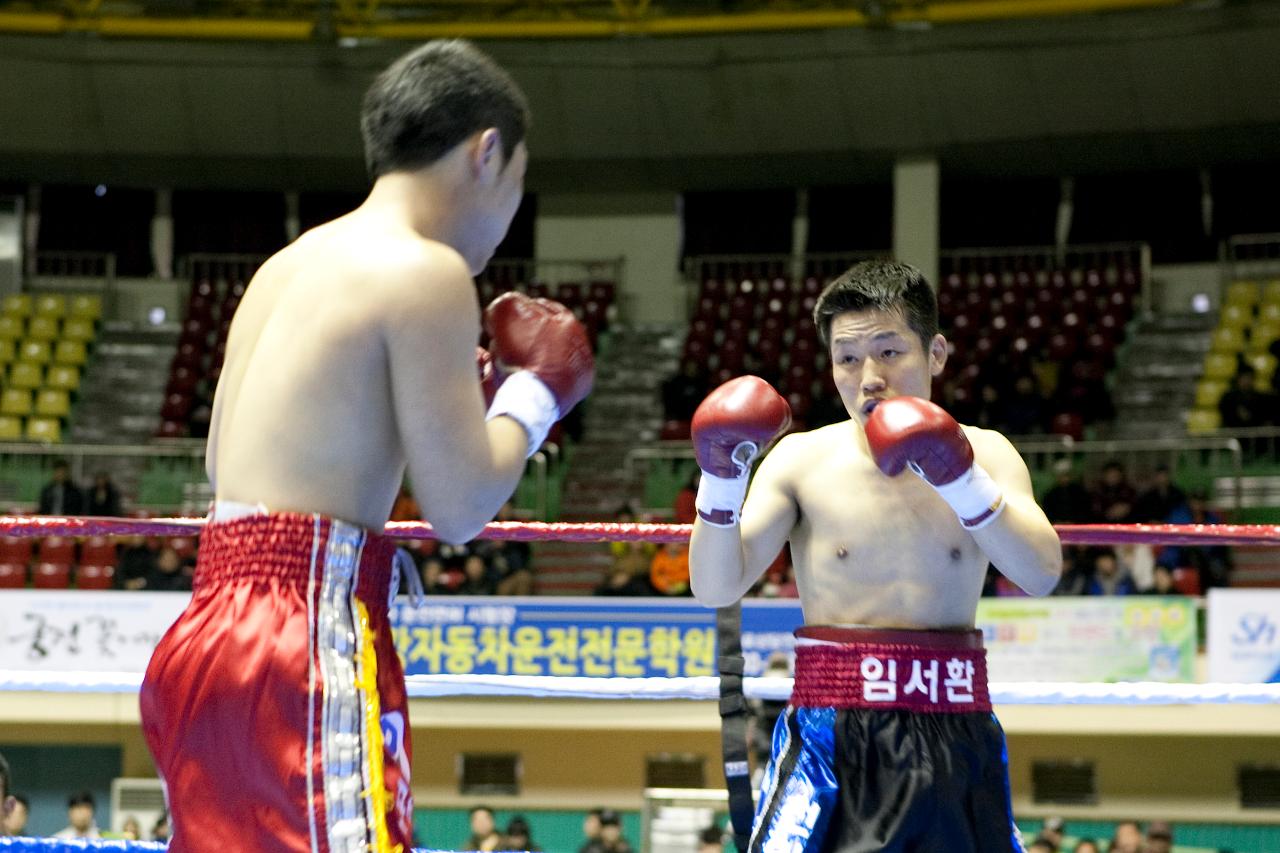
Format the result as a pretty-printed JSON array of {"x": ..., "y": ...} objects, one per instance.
[{"x": 876, "y": 550}]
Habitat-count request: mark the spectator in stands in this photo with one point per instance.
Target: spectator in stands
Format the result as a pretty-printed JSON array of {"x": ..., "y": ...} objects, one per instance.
[
  {"x": 435, "y": 580},
  {"x": 1213, "y": 563},
  {"x": 1024, "y": 410},
  {"x": 1067, "y": 502},
  {"x": 15, "y": 823},
  {"x": 1086, "y": 845},
  {"x": 7, "y": 800},
  {"x": 669, "y": 569},
  {"x": 60, "y": 496},
  {"x": 510, "y": 562},
  {"x": 1160, "y": 499},
  {"x": 1161, "y": 582},
  {"x": 1127, "y": 838},
  {"x": 168, "y": 575},
  {"x": 1244, "y": 406},
  {"x": 1110, "y": 576},
  {"x": 682, "y": 393},
  {"x": 131, "y": 829},
  {"x": 137, "y": 562},
  {"x": 990, "y": 411},
  {"x": 1113, "y": 496},
  {"x": 621, "y": 582},
  {"x": 484, "y": 831},
  {"x": 1159, "y": 837},
  {"x": 610, "y": 840},
  {"x": 590, "y": 829},
  {"x": 1041, "y": 845},
  {"x": 80, "y": 809},
  {"x": 405, "y": 508},
  {"x": 1077, "y": 572},
  {"x": 711, "y": 840},
  {"x": 160, "y": 829},
  {"x": 103, "y": 498},
  {"x": 685, "y": 511},
  {"x": 517, "y": 836},
  {"x": 1053, "y": 830},
  {"x": 477, "y": 579}
]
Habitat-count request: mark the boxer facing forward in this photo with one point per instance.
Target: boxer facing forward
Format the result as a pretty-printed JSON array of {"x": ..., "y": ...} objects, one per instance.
[
  {"x": 275, "y": 707},
  {"x": 888, "y": 743}
]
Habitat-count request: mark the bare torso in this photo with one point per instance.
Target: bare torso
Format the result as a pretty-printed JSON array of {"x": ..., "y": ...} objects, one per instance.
[
  {"x": 303, "y": 418},
  {"x": 875, "y": 550}
]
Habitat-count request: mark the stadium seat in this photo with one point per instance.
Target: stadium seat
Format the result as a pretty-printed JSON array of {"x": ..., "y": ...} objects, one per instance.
[
  {"x": 1203, "y": 420},
  {"x": 171, "y": 429},
  {"x": 8, "y": 352},
  {"x": 44, "y": 429},
  {"x": 63, "y": 378},
  {"x": 1262, "y": 335},
  {"x": 1269, "y": 312},
  {"x": 1187, "y": 581},
  {"x": 98, "y": 550},
  {"x": 51, "y": 403},
  {"x": 25, "y": 374},
  {"x": 1227, "y": 339},
  {"x": 15, "y": 549},
  {"x": 42, "y": 329},
  {"x": 51, "y": 305},
  {"x": 176, "y": 407},
  {"x": 1264, "y": 365},
  {"x": 1219, "y": 365},
  {"x": 78, "y": 330},
  {"x": 10, "y": 428},
  {"x": 13, "y": 576},
  {"x": 1271, "y": 292},
  {"x": 34, "y": 351},
  {"x": 51, "y": 576},
  {"x": 56, "y": 549},
  {"x": 70, "y": 352},
  {"x": 1243, "y": 293},
  {"x": 85, "y": 306},
  {"x": 11, "y": 328},
  {"x": 15, "y": 401},
  {"x": 91, "y": 576},
  {"x": 1068, "y": 423},
  {"x": 1209, "y": 392},
  {"x": 1235, "y": 316},
  {"x": 16, "y": 305}
]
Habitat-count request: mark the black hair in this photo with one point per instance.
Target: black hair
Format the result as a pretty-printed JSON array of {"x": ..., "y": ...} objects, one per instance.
[
  {"x": 6, "y": 779},
  {"x": 884, "y": 286},
  {"x": 518, "y": 826},
  {"x": 84, "y": 798},
  {"x": 21, "y": 798},
  {"x": 431, "y": 99},
  {"x": 711, "y": 835}
]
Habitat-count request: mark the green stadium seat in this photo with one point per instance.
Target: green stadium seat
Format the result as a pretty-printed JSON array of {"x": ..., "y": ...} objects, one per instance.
[
  {"x": 1264, "y": 365},
  {"x": 7, "y": 351}
]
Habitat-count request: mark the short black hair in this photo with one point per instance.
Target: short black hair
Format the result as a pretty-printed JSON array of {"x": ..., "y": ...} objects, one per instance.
[
  {"x": 6, "y": 779},
  {"x": 83, "y": 798},
  {"x": 711, "y": 835},
  {"x": 431, "y": 99},
  {"x": 881, "y": 285}
]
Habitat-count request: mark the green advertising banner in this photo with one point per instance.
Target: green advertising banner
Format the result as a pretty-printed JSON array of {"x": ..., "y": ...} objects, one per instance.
[{"x": 1119, "y": 638}]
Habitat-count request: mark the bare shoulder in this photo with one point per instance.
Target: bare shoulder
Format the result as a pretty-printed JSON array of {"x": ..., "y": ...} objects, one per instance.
[
  {"x": 797, "y": 450},
  {"x": 988, "y": 442},
  {"x": 418, "y": 270}
]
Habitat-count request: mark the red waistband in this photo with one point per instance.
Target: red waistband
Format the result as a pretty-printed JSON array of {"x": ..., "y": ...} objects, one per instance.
[
  {"x": 925, "y": 671},
  {"x": 282, "y": 546}
]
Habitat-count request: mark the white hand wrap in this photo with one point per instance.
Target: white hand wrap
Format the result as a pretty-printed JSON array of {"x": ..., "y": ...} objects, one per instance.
[
  {"x": 719, "y": 501},
  {"x": 975, "y": 497},
  {"x": 524, "y": 398}
]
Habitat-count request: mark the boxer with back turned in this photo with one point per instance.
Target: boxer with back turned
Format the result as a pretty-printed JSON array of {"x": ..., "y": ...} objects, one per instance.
[{"x": 888, "y": 742}]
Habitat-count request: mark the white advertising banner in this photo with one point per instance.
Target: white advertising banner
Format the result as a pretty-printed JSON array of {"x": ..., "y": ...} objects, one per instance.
[
  {"x": 1244, "y": 635},
  {"x": 89, "y": 632}
]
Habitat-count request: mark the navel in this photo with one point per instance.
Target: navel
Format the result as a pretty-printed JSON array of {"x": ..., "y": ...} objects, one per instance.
[
  {"x": 955, "y": 555},
  {"x": 842, "y": 552}
]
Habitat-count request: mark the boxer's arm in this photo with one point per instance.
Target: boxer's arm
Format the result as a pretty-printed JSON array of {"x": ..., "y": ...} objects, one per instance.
[
  {"x": 1020, "y": 542},
  {"x": 462, "y": 467},
  {"x": 725, "y": 561}
]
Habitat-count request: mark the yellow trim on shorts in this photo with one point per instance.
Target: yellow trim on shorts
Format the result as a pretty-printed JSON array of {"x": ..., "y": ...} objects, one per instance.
[{"x": 367, "y": 682}]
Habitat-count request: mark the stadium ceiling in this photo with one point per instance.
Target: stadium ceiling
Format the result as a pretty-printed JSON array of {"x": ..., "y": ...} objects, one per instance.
[{"x": 328, "y": 20}]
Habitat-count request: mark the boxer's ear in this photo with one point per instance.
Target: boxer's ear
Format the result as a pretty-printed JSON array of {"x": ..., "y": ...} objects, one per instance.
[
  {"x": 487, "y": 159},
  {"x": 937, "y": 355}
]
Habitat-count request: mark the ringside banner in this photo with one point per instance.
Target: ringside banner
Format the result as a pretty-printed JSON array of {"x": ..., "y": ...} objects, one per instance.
[{"x": 1244, "y": 635}]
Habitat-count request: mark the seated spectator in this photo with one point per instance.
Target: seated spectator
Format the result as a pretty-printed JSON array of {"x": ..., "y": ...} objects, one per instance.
[
  {"x": 160, "y": 829},
  {"x": 990, "y": 411},
  {"x": 1113, "y": 496},
  {"x": 590, "y": 829},
  {"x": 1024, "y": 410},
  {"x": 1127, "y": 838},
  {"x": 80, "y": 809},
  {"x": 484, "y": 831},
  {"x": 7, "y": 800},
  {"x": 1077, "y": 572},
  {"x": 685, "y": 509},
  {"x": 168, "y": 575},
  {"x": 1086, "y": 845},
  {"x": 131, "y": 829},
  {"x": 633, "y": 559},
  {"x": 1159, "y": 501},
  {"x": 15, "y": 822},
  {"x": 711, "y": 840},
  {"x": 1110, "y": 577},
  {"x": 437, "y": 581},
  {"x": 509, "y": 561},
  {"x": 1244, "y": 406},
  {"x": 669, "y": 569},
  {"x": 137, "y": 562},
  {"x": 1053, "y": 830},
  {"x": 682, "y": 393},
  {"x": 610, "y": 840},
  {"x": 620, "y": 582},
  {"x": 1041, "y": 845},
  {"x": 60, "y": 496},
  {"x": 1161, "y": 582},
  {"x": 1159, "y": 837},
  {"x": 517, "y": 836},
  {"x": 477, "y": 578},
  {"x": 1067, "y": 502},
  {"x": 1213, "y": 563},
  {"x": 103, "y": 498}
]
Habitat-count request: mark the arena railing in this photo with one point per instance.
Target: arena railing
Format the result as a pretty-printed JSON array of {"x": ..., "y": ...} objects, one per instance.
[{"x": 1249, "y": 255}]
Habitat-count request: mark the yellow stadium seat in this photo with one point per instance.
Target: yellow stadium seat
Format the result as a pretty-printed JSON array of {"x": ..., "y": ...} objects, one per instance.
[
  {"x": 52, "y": 404},
  {"x": 70, "y": 352},
  {"x": 1233, "y": 316},
  {"x": 85, "y": 306},
  {"x": 1202, "y": 420},
  {"x": 1228, "y": 339},
  {"x": 1271, "y": 292},
  {"x": 44, "y": 429},
  {"x": 26, "y": 374},
  {"x": 1263, "y": 364},
  {"x": 51, "y": 305},
  {"x": 1262, "y": 334},
  {"x": 15, "y": 401},
  {"x": 7, "y": 351},
  {"x": 1219, "y": 365},
  {"x": 11, "y": 328},
  {"x": 10, "y": 428},
  {"x": 1209, "y": 392},
  {"x": 1269, "y": 312},
  {"x": 16, "y": 305},
  {"x": 78, "y": 330},
  {"x": 63, "y": 377},
  {"x": 34, "y": 351},
  {"x": 42, "y": 328},
  {"x": 1243, "y": 293}
]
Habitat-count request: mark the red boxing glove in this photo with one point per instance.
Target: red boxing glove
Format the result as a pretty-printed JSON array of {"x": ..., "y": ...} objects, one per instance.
[
  {"x": 543, "y": 359},
  {"x": 730, "y": 428},
  {"x": 908, "y": 432},
  {"x": 490, "y": 378}
]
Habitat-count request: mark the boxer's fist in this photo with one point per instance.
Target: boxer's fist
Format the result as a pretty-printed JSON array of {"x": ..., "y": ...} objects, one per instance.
[
  {"x": 490, "y": 378},
  {"x": 730, "y": 428},
  {"x": 544, "y": 338},
  {"x": 735, "y": 422},
  {"x": 904, "y": 431}
]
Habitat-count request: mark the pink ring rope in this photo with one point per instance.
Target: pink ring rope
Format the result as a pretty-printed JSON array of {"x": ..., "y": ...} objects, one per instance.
[{"x": 1072, "y": 534}]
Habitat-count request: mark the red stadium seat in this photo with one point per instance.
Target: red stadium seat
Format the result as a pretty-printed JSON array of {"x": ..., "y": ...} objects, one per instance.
[
  {"x": 674, "y": 431},
  {"x": 171, "y": 429},
  {"x": 712, "y": 287},
  {"x": 90, "y": 576},
  {"x": 13, "y": 575},
  {"x": 182, "y": 380},
  {"x": 812, "y": 286},
  {"x": 51, "y": 576},
  {"x": 1068, "y": 423},
  {"x": 570, "y": 293},
  {"x": 98, "y": 551},
  {"x": 15, "y": 549},
  {"x": 1187, "y": 581},
  {"x": 203, "y": 289},
  {"x": 539, "y": 290},
  {"x": 56, "y": 549},
  {"x": 603, "y": 291},
  {"x": 176, "y": 407},
  {"x": 183, "y": 546}
]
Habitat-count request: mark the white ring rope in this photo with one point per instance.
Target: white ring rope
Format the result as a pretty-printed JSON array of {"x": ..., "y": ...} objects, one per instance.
[{"x": 702, "y": 687}]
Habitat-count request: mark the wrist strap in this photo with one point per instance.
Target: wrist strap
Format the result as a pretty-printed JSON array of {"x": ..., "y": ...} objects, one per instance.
[
  {"x": 524, "y": 398},
  {"x": 720, "y": 499},
  {"x": 974, "y": 496}
]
